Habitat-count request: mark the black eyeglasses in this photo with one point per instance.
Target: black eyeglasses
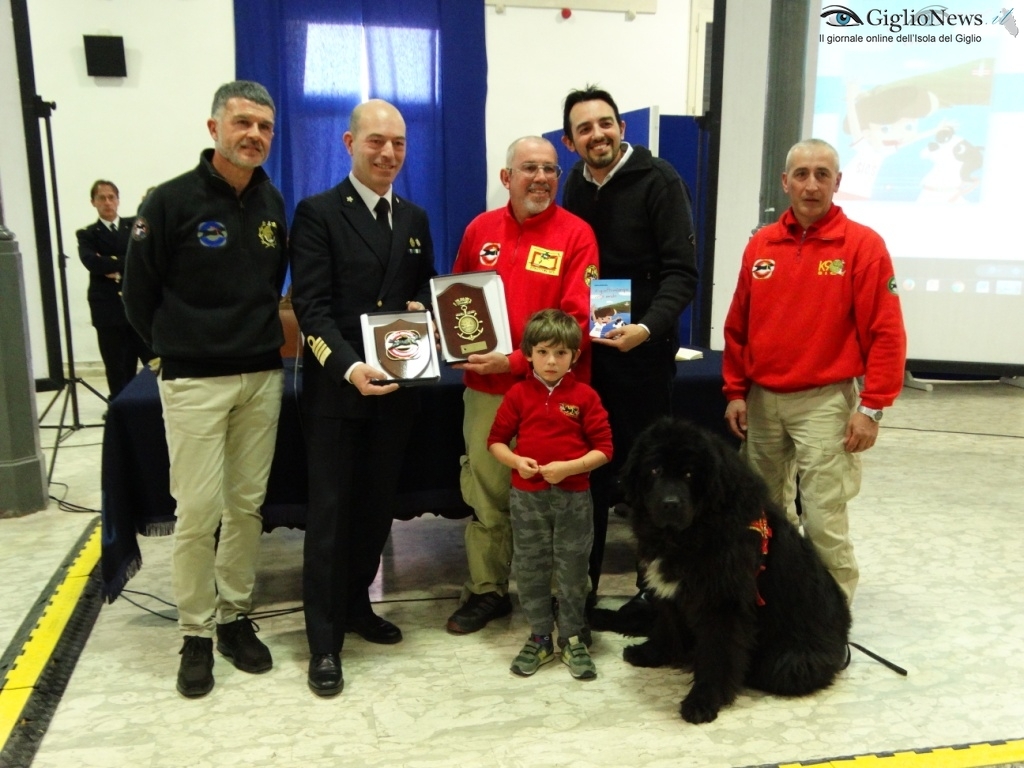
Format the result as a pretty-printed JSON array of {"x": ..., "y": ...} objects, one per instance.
[{"x": 530, "y": 169}]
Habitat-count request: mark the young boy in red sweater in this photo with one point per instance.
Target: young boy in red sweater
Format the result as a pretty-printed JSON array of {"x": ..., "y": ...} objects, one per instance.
[{"x": 561, "y": 433}]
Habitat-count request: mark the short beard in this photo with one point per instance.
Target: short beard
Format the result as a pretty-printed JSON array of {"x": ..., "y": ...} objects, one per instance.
[
  {"x": 236, "y": 158},
  {"x": 603, "y": 162},
  {"x": 533, "y": 207}
]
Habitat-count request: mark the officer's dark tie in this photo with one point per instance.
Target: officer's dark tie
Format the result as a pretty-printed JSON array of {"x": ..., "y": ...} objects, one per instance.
[
  {"x": 383, "y": 223},
  {"x": 112, "y": 226}
]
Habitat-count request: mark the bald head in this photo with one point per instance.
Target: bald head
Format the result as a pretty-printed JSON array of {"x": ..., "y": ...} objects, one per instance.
[
  {"x": 531, "y": 188},
  {"x": 372, "y": 108},
  {"x": 811, "y": 179},
  {"x": 812, "y": 145},
  {"x": 376, "y": 141}
]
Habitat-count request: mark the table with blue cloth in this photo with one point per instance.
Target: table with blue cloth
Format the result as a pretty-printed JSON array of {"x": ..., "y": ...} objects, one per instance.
[{"x": 136, "y": 499}]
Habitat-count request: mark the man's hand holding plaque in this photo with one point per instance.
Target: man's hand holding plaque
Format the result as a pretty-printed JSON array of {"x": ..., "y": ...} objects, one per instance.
[
  {"x": 400, "y": 345},
  {"x": 471, "y": 315},
  {"x": 485, "y": 364}
]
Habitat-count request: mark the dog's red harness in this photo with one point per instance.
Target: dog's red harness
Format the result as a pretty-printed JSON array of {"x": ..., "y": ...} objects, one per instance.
[{"x": 761, "y": 526}]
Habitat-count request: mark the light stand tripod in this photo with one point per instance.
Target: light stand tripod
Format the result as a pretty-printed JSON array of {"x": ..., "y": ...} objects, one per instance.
[{"x": 68, "y": 385}]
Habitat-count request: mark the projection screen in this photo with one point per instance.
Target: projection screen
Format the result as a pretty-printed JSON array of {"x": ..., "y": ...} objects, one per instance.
[{"x": 926, "y": 109}]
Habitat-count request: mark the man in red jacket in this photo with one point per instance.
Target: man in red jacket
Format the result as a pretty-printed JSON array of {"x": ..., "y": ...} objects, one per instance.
[
  {"x": 815, "y": 308},
  {"x": 546, "y": 258}
]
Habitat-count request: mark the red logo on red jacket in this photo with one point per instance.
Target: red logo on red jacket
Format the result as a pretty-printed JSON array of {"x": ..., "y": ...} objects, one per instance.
[
  {"x": 763, "y": 269},
  {"x": 489, "y": 254}
]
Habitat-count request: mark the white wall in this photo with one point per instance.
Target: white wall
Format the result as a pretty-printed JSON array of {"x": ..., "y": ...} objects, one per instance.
[
  {"x": 739, "y": 169},
  {"x": 535, "y": 57},
  {"x": 136, "y": 131}
]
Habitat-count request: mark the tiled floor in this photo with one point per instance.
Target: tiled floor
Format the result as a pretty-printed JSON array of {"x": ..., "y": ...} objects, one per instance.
[{"x": 938, "y": 533}]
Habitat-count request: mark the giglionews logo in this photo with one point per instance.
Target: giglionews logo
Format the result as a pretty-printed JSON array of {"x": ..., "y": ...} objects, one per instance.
[{"x": 943, "y": 24}]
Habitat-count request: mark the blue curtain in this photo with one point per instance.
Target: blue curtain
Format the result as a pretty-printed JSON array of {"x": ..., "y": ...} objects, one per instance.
[{"x": 319, "y": 58}]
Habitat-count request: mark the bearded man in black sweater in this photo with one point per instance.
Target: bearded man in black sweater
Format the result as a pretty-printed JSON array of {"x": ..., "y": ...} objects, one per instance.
[{"x": 639, "y": 209}]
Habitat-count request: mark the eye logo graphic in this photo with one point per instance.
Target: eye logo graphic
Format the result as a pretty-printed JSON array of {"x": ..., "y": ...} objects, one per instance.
[{"x": 840, "y": 16}]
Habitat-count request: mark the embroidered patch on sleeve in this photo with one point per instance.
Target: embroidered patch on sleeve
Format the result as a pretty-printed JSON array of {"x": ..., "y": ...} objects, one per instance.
[
  {"x": 319, "y": 348},
  {"x": 141, "y": 229}
]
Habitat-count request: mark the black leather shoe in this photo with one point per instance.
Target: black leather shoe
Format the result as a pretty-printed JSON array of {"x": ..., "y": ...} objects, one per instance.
[
  {"x": 195, "y": 674},
  {"x": 477, "y": 611},
  {"x": 374, "y": 629},
  {"x": 238, "y": 642},
  {"x": 325, "y": 674}
]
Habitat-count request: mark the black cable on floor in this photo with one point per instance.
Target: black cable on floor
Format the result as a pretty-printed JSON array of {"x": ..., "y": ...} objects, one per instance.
[
  {"x": 149, "y": 610},
  {"x": 67, "y": 506},
  {"x": 255, "y": 615},
  {"x": 268, "y": 614}
]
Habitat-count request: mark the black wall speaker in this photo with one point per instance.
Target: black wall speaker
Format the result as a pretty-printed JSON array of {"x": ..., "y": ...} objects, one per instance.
[{"x": 104, "y": 56}]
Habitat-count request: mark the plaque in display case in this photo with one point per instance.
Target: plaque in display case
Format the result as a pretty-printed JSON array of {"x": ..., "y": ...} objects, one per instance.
[
  {"x": 401, "y": 344},
  {"x": 471, "y": 314}
]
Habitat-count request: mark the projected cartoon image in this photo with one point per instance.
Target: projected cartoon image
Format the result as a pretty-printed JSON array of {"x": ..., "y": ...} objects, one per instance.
[
  {"x": 880, "y": 122},
  {"x": 928, "y": 121},
  {"x": 919, "y": 137},
  {"x": 956, "y": 164}
]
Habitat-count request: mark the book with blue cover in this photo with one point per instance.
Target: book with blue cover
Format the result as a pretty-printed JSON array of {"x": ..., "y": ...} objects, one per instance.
[{"x": 609, "y": 306}]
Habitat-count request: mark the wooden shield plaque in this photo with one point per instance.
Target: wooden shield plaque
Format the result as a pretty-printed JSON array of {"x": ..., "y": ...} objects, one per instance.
[
  {"x": 403, "y": 348},
  {"x": 465, "y": 320}
]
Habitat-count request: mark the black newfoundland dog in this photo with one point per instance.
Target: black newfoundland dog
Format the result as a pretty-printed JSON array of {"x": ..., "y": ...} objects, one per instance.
[{"x": 741, "y": 596}]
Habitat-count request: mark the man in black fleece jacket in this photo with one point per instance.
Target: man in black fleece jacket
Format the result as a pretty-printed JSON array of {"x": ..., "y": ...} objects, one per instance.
[
  {"x": 202, "y": 285},
  {"x": 639, "y": 209}
]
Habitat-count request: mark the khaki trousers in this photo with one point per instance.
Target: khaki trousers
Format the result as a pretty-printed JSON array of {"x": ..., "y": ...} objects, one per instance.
[
  {"x": 485, "y": 484},
  {"x": 801, "y": 433},
  {"x": 220, "y": 433}
]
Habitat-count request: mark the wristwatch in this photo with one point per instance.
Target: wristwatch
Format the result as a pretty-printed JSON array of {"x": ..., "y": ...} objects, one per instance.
[{"x": 871, "y": 413}]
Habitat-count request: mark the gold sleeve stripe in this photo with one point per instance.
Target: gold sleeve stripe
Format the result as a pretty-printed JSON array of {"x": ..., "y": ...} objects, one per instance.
[{"x": 320, "y": 349}]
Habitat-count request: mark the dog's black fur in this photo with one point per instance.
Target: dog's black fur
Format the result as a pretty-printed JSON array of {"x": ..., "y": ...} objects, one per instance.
[{"x": 693, "y": 500}]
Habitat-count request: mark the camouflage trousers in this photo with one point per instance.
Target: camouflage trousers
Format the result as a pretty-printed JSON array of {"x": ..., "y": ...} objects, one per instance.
[{"x": 552, "y": 533}]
